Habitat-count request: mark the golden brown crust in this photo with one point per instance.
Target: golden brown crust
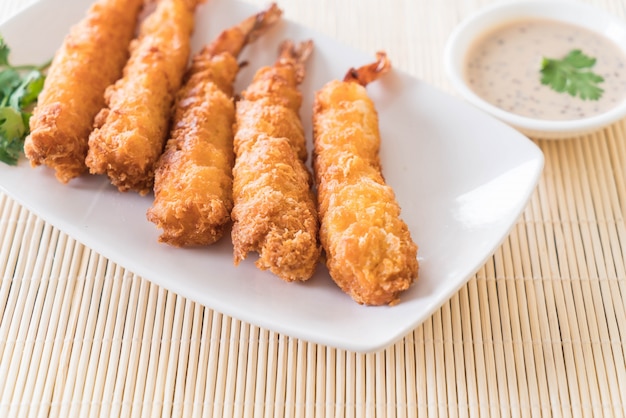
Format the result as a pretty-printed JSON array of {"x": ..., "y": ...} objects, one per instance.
[
  {"x": 259, "y": 117},
  {"x": 90, "y": 59},
  {"x": 369, "y": 250},
  {"x": 274, "y": 212},
  {"x": 193, "y": 180},
  {"x": 131, "y": 131},
  {"x": 193, "y": 183}
]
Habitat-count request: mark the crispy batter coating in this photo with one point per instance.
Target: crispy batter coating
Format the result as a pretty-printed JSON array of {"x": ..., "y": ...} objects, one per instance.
[
  {"x": 369, "y": 250},
  {"x": 193, "y": 178},
  {"x": 90, "y": 59},
  {"x": 131, "y": 131},
  {"x": 274, "y": 212}
]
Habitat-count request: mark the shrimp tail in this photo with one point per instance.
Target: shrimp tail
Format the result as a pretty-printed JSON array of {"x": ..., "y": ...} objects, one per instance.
[
  {"x": 234, "y": 40},
  {"x": 261, "y": 22},
  {"x": 370, "y": 72},
  {"x": 297, "y": 55}
]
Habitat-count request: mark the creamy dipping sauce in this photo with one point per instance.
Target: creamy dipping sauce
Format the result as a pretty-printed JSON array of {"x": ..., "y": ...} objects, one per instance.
[{"x": 503, "y": 67}]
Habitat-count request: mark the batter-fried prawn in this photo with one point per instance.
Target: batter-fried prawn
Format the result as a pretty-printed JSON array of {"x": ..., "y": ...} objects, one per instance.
[
  {"x": 131, "y": 131},
  {"x": 369, "y": 250},
  {"x": 90, "y": 59},
  {"x": 193, "y": 177},
  {"x": 274, "y": 212}
]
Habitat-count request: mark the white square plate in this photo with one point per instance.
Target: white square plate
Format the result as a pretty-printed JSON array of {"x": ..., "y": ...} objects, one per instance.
[{"x": 461, "y": 177}]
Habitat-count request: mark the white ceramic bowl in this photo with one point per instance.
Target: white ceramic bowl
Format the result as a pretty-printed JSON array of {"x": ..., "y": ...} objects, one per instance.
[{"x": 567, "y": 11}]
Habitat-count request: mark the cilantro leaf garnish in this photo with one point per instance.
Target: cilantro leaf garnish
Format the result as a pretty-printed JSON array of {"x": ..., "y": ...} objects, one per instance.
[
  {"x": 19, "y": 88},
  {"x": 12, "y": 133},
  {"x": 4, "y": 52},
  {"x": 572, "y": 74}
]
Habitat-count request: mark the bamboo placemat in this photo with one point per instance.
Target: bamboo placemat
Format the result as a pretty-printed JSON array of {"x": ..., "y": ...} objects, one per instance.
[{"x": 540, "y": 329}]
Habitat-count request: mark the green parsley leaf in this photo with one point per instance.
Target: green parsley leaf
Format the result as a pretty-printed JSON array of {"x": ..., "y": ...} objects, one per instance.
[
  {"x": 19, "y": 88},
  {"x": 572, "y": 75},
  {"x": 12, "y": 132},
  {"x": 4, "y": 52},
  {"x": 9, "y": 80},
  {"x": 28, "y": 91}
]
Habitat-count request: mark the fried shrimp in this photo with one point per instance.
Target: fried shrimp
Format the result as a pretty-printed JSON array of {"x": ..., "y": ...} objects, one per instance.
[
  {"x": 369, "y": 250},
  {"x": 90, "y": 59},
  {"x": 193, "y": 178},
  {"x": 131, "y": 130},
  {"x": 274, "y": 210}
]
